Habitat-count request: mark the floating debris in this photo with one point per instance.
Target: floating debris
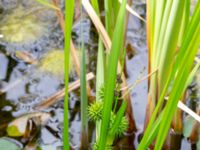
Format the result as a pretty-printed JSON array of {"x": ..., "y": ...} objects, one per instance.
[
  {"x": 22, "y": 26},
  {"x": 53, "y": 63},
  {"x": 9, "y": 144},
  {"x": 18, "y": 127}
]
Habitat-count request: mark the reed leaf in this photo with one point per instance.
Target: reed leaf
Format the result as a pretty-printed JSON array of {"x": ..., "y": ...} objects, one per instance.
[
  {"x": 69, "y": 12},
  {"x": 178, "y": 88},
  {"x": 180, "y": 73},
  {"x": 47, "y": 4},
  {"x": 111, "y": 73},
  {"x": 95, "y": 5},
  {"x": 118, "y": 118},
  {"x": 100, "y": 68},
  {"x": 109, "y": 17},
  {"x": 84, "y": 99}
]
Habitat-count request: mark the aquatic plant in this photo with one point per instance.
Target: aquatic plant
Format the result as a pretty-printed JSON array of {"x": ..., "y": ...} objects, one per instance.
[
  {"x": 107, "y": 72},
  {"x": 95, "y": 112},
  {"x": 111, "y": 74},
  {"x": 173, "y": 40},
  {"x": 69, "y": 12},
  {"x": 84, "y": 98}
]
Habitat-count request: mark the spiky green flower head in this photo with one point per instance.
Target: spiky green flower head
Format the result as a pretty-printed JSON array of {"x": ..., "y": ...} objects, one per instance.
[
  {"x": 21, "y": 26},
  {"x": 96, "y": 146},
  {"x": 95, "y": 111},
  {"x": 123, "y": 126},
  {"x": 53, "y": 63}
]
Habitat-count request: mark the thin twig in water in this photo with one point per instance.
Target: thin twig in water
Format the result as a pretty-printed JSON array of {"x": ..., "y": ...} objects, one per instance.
[
  {"x": 60, "y": 94},
  {"x": 130, "y": 87},
  {"x": 133, "y": 12}
]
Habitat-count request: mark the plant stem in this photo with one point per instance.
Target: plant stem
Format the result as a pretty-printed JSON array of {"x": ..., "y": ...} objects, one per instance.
[{"x": 69, "y": 12}]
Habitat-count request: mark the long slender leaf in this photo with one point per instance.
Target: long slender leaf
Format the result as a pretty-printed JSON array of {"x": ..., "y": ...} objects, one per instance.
[
  {"x": 177, "y": 90},
  {"x": 117, "y": 43},
  {"x": 69, "y": 12},
  {"x": 108, "y": 17},
  {"x": 47, "y": 4},
  {"x": 118, "y": 118},
  {"x": 100, "y": 68},
  {"x": 180, "y": 76},
  {"x": 84, "y": 99}
]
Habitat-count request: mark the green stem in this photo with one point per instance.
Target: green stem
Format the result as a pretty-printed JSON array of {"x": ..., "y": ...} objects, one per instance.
[{"x": 69, "y": 12}]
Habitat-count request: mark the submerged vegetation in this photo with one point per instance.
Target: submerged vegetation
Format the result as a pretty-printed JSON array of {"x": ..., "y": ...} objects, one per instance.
[
  {"x": 20, "y": 21},
  {"x": 101, "y": 111},
  {"x": 53, "y": 63}
]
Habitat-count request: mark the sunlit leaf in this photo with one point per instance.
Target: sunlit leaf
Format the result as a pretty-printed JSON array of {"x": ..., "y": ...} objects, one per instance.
[
  {"x": 47, "y": 4},
  {"x": 110, "y": 81}
]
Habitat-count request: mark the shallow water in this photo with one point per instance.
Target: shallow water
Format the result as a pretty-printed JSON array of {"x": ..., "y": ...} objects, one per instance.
[{"x": 36, "y": 87}]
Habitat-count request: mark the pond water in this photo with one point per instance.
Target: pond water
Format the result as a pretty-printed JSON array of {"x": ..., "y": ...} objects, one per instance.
[{"x": 36, "y": 86}]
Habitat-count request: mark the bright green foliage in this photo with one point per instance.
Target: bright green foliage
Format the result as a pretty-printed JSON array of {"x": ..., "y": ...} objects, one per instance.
[
  {"x": 14, "y": 131},
  {"x": 47, "y": 4},
  {"x": 100, "y": 69},
  {"x": 69, "y": 13},
  {"x": 118, "y": 124},
  {"x": 174, "y": 66},
  {"x": 95, "y": 111},
  {"x": 101, "y": 93},
  {"x": 111, "y": 73}
]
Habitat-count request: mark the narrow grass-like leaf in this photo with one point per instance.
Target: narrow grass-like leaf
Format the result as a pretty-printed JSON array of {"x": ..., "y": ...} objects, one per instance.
[
  {"x": 192, "y": 74},
  {"x": 100, "y": 68},
  {"x": 177, "y": 90},
  {"x": 185, "y": 21},
  {"x": 84, "y": 99},
  {"x": 111, "y": 73},
  {"x": 118, "y": 118},
  {"x": 100, "y": 56},
  {"x": 180, "y": 75},
  {"x": 95, "y": 5},
  {"x": 109, "y": 20},
  {"x": 69, "y": 12},
  {"x": 183, "y": 73},
  {"x": 170, "y": 41},
  {"x": 47, "y": 4}
]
